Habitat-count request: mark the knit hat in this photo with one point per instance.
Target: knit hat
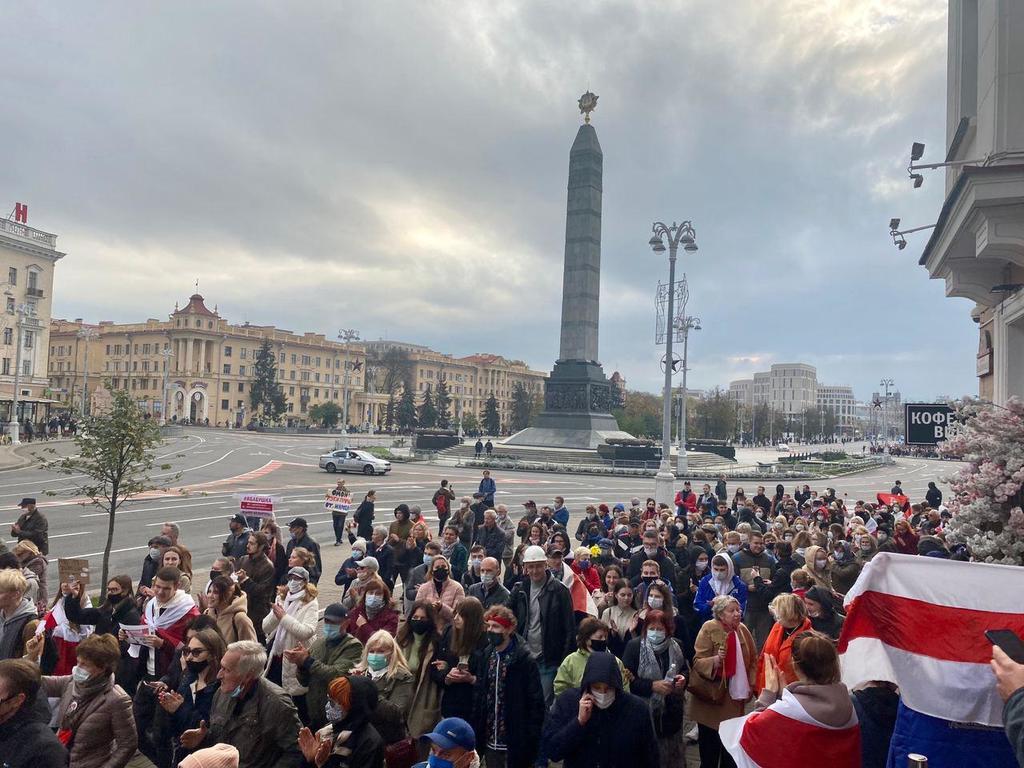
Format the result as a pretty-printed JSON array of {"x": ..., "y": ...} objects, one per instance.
[
  {"x": 217, "y": 756},
  {"x": 340, "y": 690}
]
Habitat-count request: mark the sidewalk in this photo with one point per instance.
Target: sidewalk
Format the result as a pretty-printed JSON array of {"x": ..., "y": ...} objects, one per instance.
[{"x": 23, "y": 455}]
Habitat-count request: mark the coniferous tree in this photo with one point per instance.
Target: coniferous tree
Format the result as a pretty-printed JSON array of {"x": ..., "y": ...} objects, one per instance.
[
  {"x": 427, "y": 418},
  {"x": 405, "y": 412},
  {"x": 492, "y": 421},
  {"x": 443, "y": 404},
  {"x": 266, "y": 395}
]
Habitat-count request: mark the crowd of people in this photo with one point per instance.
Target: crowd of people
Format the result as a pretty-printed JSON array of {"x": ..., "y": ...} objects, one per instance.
[{"x": 498, "y": 640}]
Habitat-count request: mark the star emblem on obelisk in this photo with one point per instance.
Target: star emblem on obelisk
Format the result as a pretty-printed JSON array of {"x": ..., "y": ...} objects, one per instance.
[{"x": 588, "y": 102}]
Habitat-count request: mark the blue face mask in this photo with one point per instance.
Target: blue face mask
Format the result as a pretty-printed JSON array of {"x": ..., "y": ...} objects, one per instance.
[
  {"x": 439, "y": 762},
  {"x": 427, "y": 560},
  {"x": 236, "y": 692},
  {"x": 331, "y": 631}
]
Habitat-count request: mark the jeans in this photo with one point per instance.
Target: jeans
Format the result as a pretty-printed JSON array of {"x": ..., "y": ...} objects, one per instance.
[
  {"x": 712, "y": 753},
  {"x": 494, "y": 758},
  {"x": 338, "y": 521},
  {"x": 547, "y": 682}
]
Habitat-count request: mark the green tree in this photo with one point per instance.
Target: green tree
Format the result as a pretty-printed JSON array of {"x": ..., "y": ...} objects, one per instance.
[
  {"x": 715, "y": 416},
  {"x": 112, "y": 462},
  {"x": 389, "y": 413},
  {"x": 492, "y": 421},
  {"x": 523, "y": 407},
  {"x": 443, "y": 403},
  {"x": 326, "y": 414},
  {"x": 470, "y": 423},
  {"x": 427, "y": 412},
  {"x": 405, "y": 412},
  {"x": 266, "y": 395},
  {"x": 641, "y": 414}
]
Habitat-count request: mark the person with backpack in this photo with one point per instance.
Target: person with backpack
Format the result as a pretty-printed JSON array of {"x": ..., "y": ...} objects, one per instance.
[{"x": 442, "y": 501}]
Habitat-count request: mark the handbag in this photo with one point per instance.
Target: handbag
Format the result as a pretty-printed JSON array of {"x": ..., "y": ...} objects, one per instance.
[
  {"x": 707, "y": 690},
  {"x": 401, "y": 754}
]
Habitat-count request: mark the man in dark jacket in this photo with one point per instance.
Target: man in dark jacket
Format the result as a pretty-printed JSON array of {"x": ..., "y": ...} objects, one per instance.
[
  {"x": 762, "y": 501},
  {"x": 489, "y": 590},
  {"x": 784, "y": 568},
  {"x": 234, "y": 544},
  {"x": 933, "y": 496},
  {"x": 543, "y": 611},
  {"x": 299, "y": 530},
  {"x": 490, "y": 536},
  {"x": 652, "y": 550},
  {"x": 255, "y": 575},
  {"x": 151, "y": 564},
  {"x": 24, "y": 739},
  {"x": 380, "y": 549},
  {"x": 32, "y": 525},
  {"x": 588, "y": 725},
  {"x": 756, "y": 567}
]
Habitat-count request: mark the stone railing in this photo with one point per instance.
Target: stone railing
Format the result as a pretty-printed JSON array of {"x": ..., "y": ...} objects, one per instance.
[{"x": 28, "y": 233}]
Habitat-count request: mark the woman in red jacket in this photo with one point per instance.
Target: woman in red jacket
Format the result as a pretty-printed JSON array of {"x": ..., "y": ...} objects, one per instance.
[
  {"x": 585, "y": 569},
  {"x": 905, "y": 539},
  {"x": 790, "y": 614},
  {"x": 373, "y": 612}
]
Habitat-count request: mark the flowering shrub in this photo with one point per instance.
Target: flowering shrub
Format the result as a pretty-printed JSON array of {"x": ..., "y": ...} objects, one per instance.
[{"x": 986, "y": 499}]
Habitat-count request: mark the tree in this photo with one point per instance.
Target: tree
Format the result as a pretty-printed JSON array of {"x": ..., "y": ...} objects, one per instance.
[
  {"x": 443, "y": 402},
  {"x": 389, "y": 371},
  {"x": 405, "y": 412},
  {"x": 427, "y": 413},
  {"x": 523, "y": 404},
  {"x": 266, "y": 395},
  {"x": 989, "y": 520},
  {"x": 641, "y": 415},
  {"x": 492, "y": 421},
  {"x": 389, "y": 413},
  {"x": 114, "y": 457},
  {"x": 326, "y": 414},
  {"x": 715, "y": 416},
  {"x": 470, "y": 423}
]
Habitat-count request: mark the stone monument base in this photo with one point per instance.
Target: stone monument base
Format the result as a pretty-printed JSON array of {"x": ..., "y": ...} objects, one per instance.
[{"x": 577, "y": 403}]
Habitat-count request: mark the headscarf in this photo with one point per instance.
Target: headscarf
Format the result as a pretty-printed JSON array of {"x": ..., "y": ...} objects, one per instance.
[{"x": 726, "y": 586}]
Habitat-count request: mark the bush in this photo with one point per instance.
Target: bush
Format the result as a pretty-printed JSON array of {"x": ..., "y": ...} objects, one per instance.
[{"x": 380, "y": 452}]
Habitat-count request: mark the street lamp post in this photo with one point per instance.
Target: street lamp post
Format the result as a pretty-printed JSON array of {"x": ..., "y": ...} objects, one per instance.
[
  {"x": 885, "y": 413},
  {"x": 677, "y": 234},
  {"x": 687, "y": 324},
  {"x": 167, "y": 353},
  {"x": 347, "y": 335},
  {"x": 86, "y": 335},
  {"x": 21, "y": 312}
]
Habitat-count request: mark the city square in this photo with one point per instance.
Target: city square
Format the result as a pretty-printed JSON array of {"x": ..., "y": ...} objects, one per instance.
[{"x": 514, "y": 386}]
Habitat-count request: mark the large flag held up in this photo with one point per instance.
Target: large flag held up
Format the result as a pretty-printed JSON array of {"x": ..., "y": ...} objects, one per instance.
[{"x": 920, "y": 622}]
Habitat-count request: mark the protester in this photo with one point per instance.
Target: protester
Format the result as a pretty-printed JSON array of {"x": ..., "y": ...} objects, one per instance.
[
  {"x": 454, "y": 552},
  {"x": 755, "y": 567},
  {"x": 591, "y": 637},
  {"x": 150, "y": 566},
  {"x": 452, "y": 743},
  {"x": 845, "y": 567},
  {"x": 367, "y": 570},
  {"x": 363, "y": 516},
  {"x": 299, "y": 530},
  {"x": 250, "y": 713},
  {"x": 793, "y": 722},
  {"x": 331, "y": 655},
  {"x": 174, "y": 557},
  {"x": 600, "y": 724},
  {"x": 292, "y": 621},
  {"x": 217, "y": 756},
  {"x": 818, "y": 567},
  {"x": 510, "y": 694},
  {"x": 25, "y": 739},
  {"x": 381, "y": 551},
  {"x": 300, "y": 557},
  {"x": 791, "y": 620},
  {"x": 399, "y": 534},
  {"x": 720, "y": 582},
  {"x": 489, "y": 591},
  {"x": 255, "y": 574},
  {"x": 621, "y": 618},
  {"x": 347, "y": 572},
  {"x": 229, "y": 605},
  {"x": 32, "y": 525},
  {"x": 722, "y": 676},
  {"x": 338, "y": 493},
  {"x": 418, "y": 638},
  {"x": 458, "y": 663},
  {"x": 62, "y": 636},
  {"x": 821, "y": 611},
  {"x": 417, "y": 576},
  {"x": 167, "y": 614},
  {"x": 33, "y": 563},
  {"x": 442, "y": 591},
  {"x": 234, "y": 545},
  {"x": 349, "y": 740},
  {"x": 191, "y": 703},
  {"x": 384, "y": 663},
  {"x": 876, "y": 704},
  {"x": 94, "y": 714},
  {"x": 442, "y": 501},
  {"x": 373, "y": 612},
  {"x": 118, "y": 608},
  {"x": 490, "y": 536},
  {"x": 583, "y": 568},
  {"x": 275, "y": 551}
]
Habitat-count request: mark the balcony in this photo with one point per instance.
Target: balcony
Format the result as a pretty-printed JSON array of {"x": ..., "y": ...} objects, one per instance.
[{"x": 37, "y": 292}]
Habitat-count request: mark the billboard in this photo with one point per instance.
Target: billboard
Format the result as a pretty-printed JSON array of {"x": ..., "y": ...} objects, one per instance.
[{"x": 929, "y": 423}]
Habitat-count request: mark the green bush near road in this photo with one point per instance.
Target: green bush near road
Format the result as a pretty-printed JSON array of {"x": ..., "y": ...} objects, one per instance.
[{"x": 381, "y": 453}]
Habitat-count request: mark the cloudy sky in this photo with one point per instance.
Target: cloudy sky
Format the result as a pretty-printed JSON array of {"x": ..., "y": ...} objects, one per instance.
[{"x": 400, "y": 168}]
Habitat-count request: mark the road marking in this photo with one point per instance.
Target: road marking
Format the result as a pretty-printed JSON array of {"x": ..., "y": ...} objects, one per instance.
[
  {"x": 59, "y": 536},
  {"x": 152, "y": 509},
  {"x": 97, "y": 554}
]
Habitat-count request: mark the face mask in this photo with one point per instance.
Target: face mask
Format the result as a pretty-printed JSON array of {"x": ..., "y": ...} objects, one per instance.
[
  {"x": 603, "y": 700},
  {"x": 357, "y": 554},
  {"x": 374, "y": 601},
  {"x": 820, "y": 564},
  {"x": 496, "y": 638},
  {"x": 798, "y": 527},
  {"x": 115, "y": 599},
  {"x": 733, "y": 548},
  {"x": 701, "y": 565},
  {"x": 331, "y": 631},
  {"x": 195, "y": 667},
  {"x": 487, "y": 578},
  {"x": 420, "y": 626},
  {"x": 475, "y": 562},
  {"x": 787, "y": 537},
  {"x": 427, "y": 560},
  {"x": 720, "y": 575},
  {"x": 743, "y": 538},
  {"x": 865, "y": 547},
  {"x": 80, "y": 675},
  {"x": 236, "y": 691},
  {"x": 655, "y": 602},
  {"x": 801, "y": 550},
  {"x": 813, "y": 614},
  {"x": 441, "y": 574},
  {"x": 592, "y": 515},
  {"x": 597, "y": 646},
  {"x": 648, "y": 579},
  {"x": 376, "y": 661},
  {"x": 585, "y": 564},
  {"x": 883, "y": 536},
  {"x": 154, "y": 553},
  {"x": 295, "y": 585},
  {"x": 335, "y": 714},
  {"x": 650, "y": 551},
  {"x": 656, "y": 636},
  {"x": 433, "y": 761}
]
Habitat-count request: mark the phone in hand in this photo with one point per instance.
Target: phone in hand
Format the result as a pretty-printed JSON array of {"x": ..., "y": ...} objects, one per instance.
[{"x": 1008, "y": 640}]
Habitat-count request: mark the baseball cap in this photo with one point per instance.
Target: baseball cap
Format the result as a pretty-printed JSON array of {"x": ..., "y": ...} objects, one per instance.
[
  {"x": 450, "y": 733},
  {"x": 335, "y": 612},
  {"x": 369, "y": 562},
  {"x": 534, "y": 554},
  {"x": 605, "y": 543},
  {"x": 239, "y": 518},
  {"x": 553, "y": 551},
  {"x": 298, "y": 522}
]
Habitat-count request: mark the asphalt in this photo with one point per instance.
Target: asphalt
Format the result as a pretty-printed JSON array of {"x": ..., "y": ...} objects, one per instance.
[{"x": 215, "y": 466}]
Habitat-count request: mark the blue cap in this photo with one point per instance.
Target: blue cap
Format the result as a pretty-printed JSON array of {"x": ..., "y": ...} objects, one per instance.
[
  {"x": 619, "y": 507},
  {"x": 452, "y": 732},
  {"x": 605, "y": 543}
]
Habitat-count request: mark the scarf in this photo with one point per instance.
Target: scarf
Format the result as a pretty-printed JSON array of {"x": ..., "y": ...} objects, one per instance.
[
  {"x": 175, "y": 609},
  {"x": 447, "y": 549},
  {"x": 735, "y": 669},
  {"x": 292, "y": 603},
  {"x": 650, "y": 669},
  {"x": 81, "y": 695}
]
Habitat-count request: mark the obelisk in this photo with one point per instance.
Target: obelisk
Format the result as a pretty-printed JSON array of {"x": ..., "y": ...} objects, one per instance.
[{"x": 577, "y": 397}]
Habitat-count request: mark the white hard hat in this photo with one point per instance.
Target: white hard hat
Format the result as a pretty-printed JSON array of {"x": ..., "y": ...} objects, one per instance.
[{"x": 534, "y": 554}]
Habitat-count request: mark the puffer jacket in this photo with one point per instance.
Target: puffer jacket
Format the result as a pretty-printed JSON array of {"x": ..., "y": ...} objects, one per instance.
[
  {"x": 105, "y": 736},
  {"x": 298, "y": 628},
  {"x": 451, "y": 595},
  {"x": 233, "y": 621}
]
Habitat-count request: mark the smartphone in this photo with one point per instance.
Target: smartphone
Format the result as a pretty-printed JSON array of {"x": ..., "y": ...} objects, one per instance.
[
  {"x": 463, "y": 666},
  {"x": 1008, "y": 640}
]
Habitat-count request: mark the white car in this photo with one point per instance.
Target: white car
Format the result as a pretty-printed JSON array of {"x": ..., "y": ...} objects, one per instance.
[
  {"x": 348, "y": 460},
  {"x": 782, "y": 448}
]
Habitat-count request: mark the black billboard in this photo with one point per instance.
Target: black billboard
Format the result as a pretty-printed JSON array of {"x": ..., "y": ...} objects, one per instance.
[{"x": 929, "y": 423}]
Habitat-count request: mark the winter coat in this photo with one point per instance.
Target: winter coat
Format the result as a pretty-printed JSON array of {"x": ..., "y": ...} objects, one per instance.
[
  {"x": 621, "y": 736},
  {"x": 34, "y": 527},
  {"x": 262, "y": 725},
  {"x": 711, "y": 637},
  {"x": 386, "y": 618},
  {"x": 234, "y": 545},
  {"x": 828, "y": 622},
  {"x": 558, "y": 622},
  {"x": 105, "y": 736},
  {"x": 298, "y": 628},
  {"x": 781, "y": 581},
  {"x": 233, "y": 621},
  {"x": 705, "y": 594},
  {"x": 664, "y": 560},
  {"x": 357, "y": 743},
  {"x": 27, "y": 742},
  {"x": 364, "y": 519},
  {"x": 327, "y": 660},
  {"x": 822, "y": 578},
  {"x": 451, "y": 595},
  {"x": 524, "y": 703},
  {"x": 457, "y": 699},
  {"x": 670, "y": 721},
  {"x": 17, "y": 629},
  {"x": 570, "y": 671},
  {"x": 492, "y": 540},
  {"x": 458, "y": 560},
  {"x": 426, "y": 700},
  {"x": 394, "y": 699},
  {"x": 779, "y": 646},
  {"x": 259, "y": 586}
]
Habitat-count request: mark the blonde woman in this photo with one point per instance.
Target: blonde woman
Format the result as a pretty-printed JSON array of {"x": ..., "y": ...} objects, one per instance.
[
  {"x": 32, "y": 562},
  {"x": 292, "y": 621},
  {"x": 385, "y": 664}
]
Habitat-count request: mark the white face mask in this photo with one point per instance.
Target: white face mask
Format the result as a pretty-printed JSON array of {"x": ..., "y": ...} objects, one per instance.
[
  {"x": 701, "y": 565},
  {"x": 655, "y": 602},
  {"x": 80, "y": 675},
  {"x": 720, "y": 575},
  {"x": 486, "y": 578},
  {"x": 295, "y": 585},
  {"x": 603, "y": 700}
]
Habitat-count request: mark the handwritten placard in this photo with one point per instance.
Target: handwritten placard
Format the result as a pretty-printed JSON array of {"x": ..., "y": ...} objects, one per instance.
[{"x": 73, "y": 569}]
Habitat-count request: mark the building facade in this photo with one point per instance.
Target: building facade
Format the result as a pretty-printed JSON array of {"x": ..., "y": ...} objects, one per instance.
[
  {"x": 28, "y": 258},
  {"x": 742, "y": 391},
  {"x": 787, "y": 388},
  {"x": 839, "y": 400}
]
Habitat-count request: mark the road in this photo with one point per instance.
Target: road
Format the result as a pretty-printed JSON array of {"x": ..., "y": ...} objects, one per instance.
[{"x": 216, "y": 465}]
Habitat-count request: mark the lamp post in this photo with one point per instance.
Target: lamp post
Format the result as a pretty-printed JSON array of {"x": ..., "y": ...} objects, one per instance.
[
  {"x": 21, "y": 312},
  {"x": 166, "y": 353},
  {"x": 687, "y": 324},
  {"x": 347, "y": 335},
  {"x": 678, "y": 234},
  {"x": 86, "y": 335},
  {"x": 885, "y": 412}
]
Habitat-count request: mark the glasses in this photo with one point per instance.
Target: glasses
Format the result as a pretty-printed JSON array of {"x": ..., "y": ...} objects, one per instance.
[{"x": 193, "y": 652}]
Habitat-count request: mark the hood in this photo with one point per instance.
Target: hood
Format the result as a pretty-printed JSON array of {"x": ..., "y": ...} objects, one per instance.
[
  {"x": 27, "y": 608},
  {"x": 811, "y": 554},
  {"x": 720, "y": 558},
  {"x": 239, "y": 605},
  {"x": 29, "y": 574},
  {"x": 602, "y": 668},
  {"x": 364, "y": 697},
  {"x": 823, "y": 597},
  {"x": 828, "y": 704}
]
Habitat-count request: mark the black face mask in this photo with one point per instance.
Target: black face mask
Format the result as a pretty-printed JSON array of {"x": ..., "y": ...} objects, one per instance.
[
  {"x": 648, "y": 579},
  {"x": 496, "y": 638},
  {"x": 598, "y": 645},
  {"x": 115, "y": 599},
  {"x": 195, "y": 667},
  {"x": 214, "y": 575},
  {"x": 440, "y": 574},
  {"x": 419, "y": 626}
]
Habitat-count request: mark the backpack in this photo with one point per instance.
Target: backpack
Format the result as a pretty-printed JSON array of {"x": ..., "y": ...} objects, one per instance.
[{"x": 440, "y": 501}]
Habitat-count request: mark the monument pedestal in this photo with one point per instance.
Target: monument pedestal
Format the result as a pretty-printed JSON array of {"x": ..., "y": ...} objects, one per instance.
[{"x": 577, "y": 410}]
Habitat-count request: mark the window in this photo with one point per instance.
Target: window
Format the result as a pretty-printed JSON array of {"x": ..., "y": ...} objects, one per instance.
[
  {"x": 10, "y": 311},
  {"x": 335, "y": 395},
  {"x": 243, "y": 353},
  {"x": 227, "y": 351},
  {"x": 241, "y": 370},
  {"x": 29, "y": 336},
  {"x": 8, "y": 336},
  {"x": 291, "y": 390},
  {"x": 316, "y": 393},
  {"x": 12, "y": 276},
  {"x": 295, "y": 359},
  {"x": 199, "y": 323},
  {"x": 145, "y": 349},
  {"x": 318, "y": 362},
  {"x": 224, "y": 405},
  {"x": 305, "y": 359},
  {"x": 316, "y": 376},
  {"x": 241, "y": 403},
  {"x": 6, "y": 366},
  {"x": 136, "y": 349},
  {"x": 225, "y": 386},
  {"x": 280, "y": 358},
  {"x": 291, "y": 375},
  {"x": 241, "y": 387},
  {"x": 26, "y": 367},
  {"x": 145, "y": 365},
  {"x": 227, "y": 368}
]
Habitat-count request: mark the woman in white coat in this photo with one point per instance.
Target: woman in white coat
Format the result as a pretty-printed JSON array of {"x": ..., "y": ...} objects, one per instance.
[{"x": 292, "y": 622}]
